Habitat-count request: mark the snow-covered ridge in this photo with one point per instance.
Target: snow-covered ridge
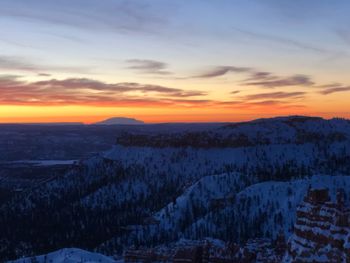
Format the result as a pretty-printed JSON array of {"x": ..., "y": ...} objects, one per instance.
[
  {"x": 42, "y": 162},
  {"x": 200, "y": 197},
  {"x": 67, "y": 255},
  {"x": 272, "y": 203},
  {"x": 286, "y": 130}
]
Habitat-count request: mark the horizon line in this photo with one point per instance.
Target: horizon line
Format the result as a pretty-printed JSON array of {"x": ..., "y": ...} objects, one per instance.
[{"x": 77, "y": 123}]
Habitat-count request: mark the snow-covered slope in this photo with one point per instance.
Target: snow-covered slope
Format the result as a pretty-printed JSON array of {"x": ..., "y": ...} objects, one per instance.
[
  {"x": 232, "y": 182},
  {"x": 67, "y": 255},
  {"x": 264, "y": 209},
  {"x": 286, "y": 130},
  {"x": 221, "y": 206},
  {"x": 199, "y": 198}
]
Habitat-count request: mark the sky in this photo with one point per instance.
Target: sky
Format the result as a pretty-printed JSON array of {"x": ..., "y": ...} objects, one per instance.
[{"x": 173, "y": 61}]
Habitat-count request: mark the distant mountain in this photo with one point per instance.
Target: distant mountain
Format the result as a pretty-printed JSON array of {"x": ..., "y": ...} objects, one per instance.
[
  {"x": 120, "y": 121},
  {"x": 43, "y": 124}
]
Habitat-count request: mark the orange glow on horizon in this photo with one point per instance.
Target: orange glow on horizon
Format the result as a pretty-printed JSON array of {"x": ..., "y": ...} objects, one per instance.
[{"x": 88, "y": 114}]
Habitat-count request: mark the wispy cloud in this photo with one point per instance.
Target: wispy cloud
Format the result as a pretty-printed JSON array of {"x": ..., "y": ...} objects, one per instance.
[
  {"x": 13, "y": 63},
  {"x": 85, "y": 91},
  {"x": 259, "y": 78},
  {"x": 114, "y": 16},
  {"x": 148, "y": 66},
  {"x": 262, "y": 104},
  {"x": 269, "y": 80},
  {"x": 344, "y": 35},
  {"x": 335, "y": 89},
  {"x": 280, "y": 40},
  {"x": 329, "y": 54},
  {"x": 273, "y": 82},
  {"x": 275, "y": 95},
  {"x": 260, "y": 75},
  {"x": 222, "y": 70},
  {"x": 44, "y": 75},
  {"x": 16, "y": 63}
]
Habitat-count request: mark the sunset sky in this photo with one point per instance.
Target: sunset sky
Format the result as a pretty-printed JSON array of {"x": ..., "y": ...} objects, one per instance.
[{"x": 173, "y": 61}]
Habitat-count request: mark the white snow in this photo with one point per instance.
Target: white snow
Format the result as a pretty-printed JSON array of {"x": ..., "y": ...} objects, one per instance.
[
  {"x": 43, "y": 162},
  {"x": 67, "y": 255}
]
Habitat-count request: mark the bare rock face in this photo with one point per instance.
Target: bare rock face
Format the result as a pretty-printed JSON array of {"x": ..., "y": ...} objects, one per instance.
[
  {"x": 322, "y": 229},
  {"x": 213, "y": 251}
]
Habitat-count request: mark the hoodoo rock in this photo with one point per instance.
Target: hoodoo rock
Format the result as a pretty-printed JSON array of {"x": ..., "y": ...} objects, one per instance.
[{"x": 322, "y": 229}]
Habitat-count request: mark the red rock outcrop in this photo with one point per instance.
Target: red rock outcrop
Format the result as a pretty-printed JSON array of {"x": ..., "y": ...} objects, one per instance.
[
  {"x": 322, "y": 229},
  {"x": 213, "y": 251}
]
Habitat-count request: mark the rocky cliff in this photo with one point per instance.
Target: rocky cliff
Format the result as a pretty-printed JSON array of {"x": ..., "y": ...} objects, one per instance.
[{"x": 322, "y": 229}]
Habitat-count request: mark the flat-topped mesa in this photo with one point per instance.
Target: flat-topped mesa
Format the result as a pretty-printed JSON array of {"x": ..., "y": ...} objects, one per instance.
[{"x": 322, "y": 228}]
